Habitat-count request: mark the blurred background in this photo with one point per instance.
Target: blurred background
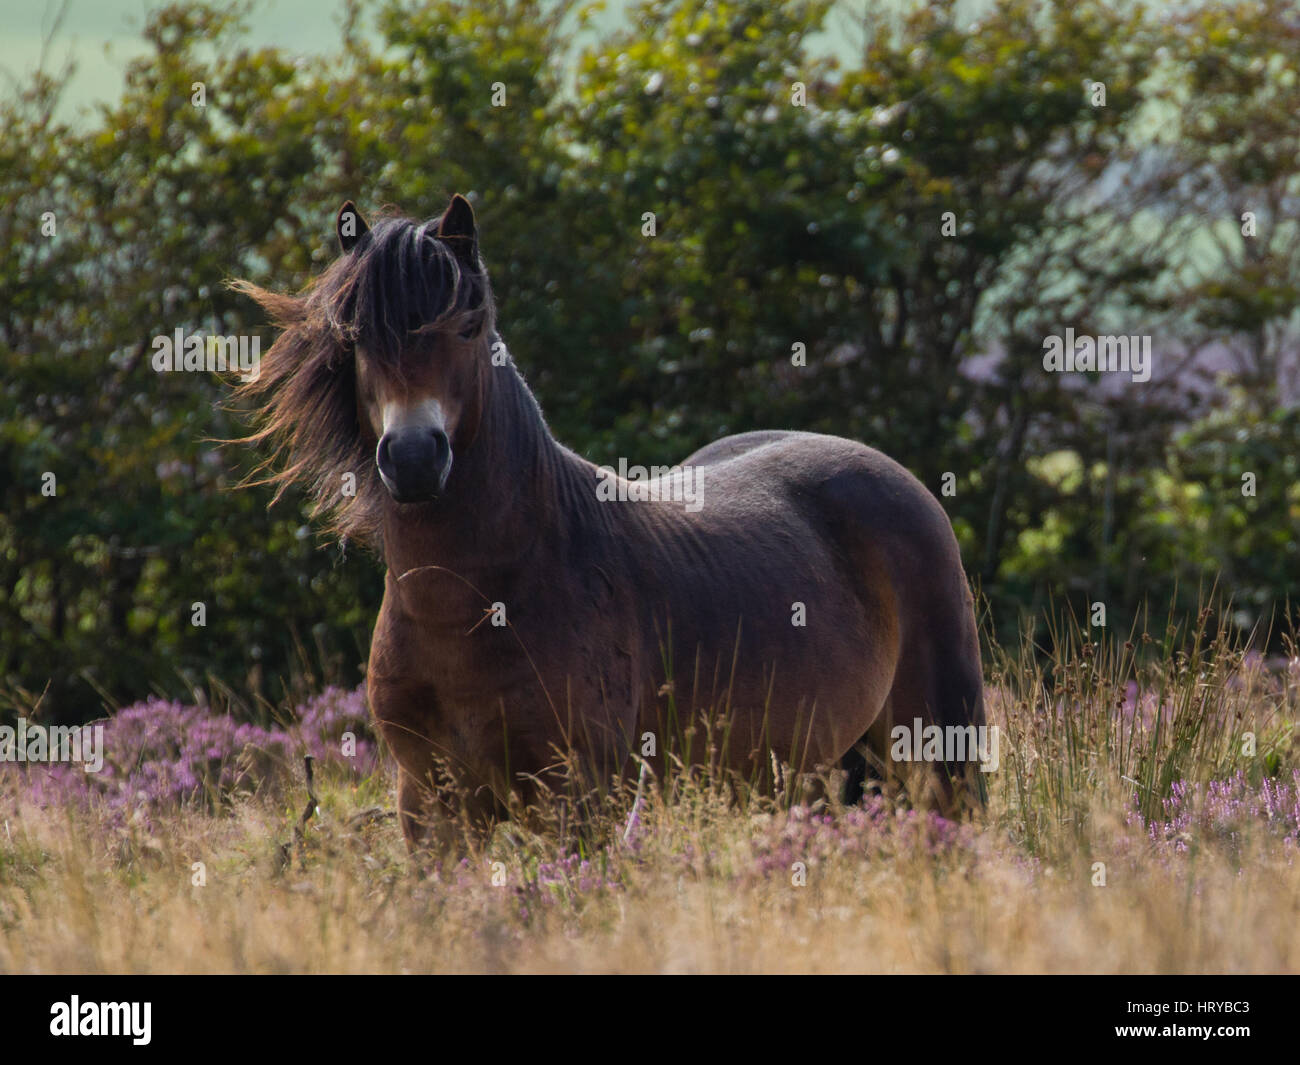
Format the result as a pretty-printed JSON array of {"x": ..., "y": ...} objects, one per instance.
[{"x": 950, "y": 192}]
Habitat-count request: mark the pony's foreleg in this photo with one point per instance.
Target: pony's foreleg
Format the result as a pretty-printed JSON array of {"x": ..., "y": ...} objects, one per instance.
[
  {"x": 417, "y": 810},
  {"x": 443, "y": 821}
]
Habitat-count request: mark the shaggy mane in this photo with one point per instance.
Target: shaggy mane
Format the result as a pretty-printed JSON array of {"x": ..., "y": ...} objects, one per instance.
[{"x": 399, "y": 281}]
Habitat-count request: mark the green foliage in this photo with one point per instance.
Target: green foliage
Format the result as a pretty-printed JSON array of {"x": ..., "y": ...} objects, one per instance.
[
  {"x": 797, "y": 198},
  {"x": 1226, "y": 508}
]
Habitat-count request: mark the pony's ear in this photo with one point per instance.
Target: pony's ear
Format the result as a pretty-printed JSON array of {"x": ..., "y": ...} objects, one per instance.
[
  {"x": 458, "y": 229},
  {"x": 350, "y": 225}
]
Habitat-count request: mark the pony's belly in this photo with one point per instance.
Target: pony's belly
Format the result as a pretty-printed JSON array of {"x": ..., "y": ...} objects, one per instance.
[{"x": 802, "y": 676}]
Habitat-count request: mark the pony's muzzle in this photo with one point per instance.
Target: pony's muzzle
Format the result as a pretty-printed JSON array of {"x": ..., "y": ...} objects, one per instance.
[{"x": 414, "y": 463}]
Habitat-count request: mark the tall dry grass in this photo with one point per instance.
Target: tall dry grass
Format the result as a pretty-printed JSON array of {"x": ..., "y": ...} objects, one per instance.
[{"x": 1145, "y": 818}]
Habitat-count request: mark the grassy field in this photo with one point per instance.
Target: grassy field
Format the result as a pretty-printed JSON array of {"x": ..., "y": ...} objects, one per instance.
[{"x": 1145, "y": 818}]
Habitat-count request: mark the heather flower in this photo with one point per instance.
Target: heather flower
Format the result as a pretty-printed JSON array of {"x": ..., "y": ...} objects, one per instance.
[
  {"x": 162, "y": 754},
  {"x": 876, "y": 830},
  {"x": 1224, "y": 810}
]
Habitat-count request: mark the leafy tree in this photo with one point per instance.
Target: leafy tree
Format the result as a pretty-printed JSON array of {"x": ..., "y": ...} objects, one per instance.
[{"x": 698, "y": 222}]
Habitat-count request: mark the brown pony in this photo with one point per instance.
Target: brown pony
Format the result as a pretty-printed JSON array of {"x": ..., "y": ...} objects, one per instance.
[{"x": 805, "y": 585}]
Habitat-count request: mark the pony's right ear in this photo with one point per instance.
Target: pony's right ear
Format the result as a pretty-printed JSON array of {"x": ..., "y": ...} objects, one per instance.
[{"x": 350, "y": 225}]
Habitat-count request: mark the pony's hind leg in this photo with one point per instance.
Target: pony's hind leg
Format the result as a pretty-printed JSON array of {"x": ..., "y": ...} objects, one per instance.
[{"x": 939, "y": 684}]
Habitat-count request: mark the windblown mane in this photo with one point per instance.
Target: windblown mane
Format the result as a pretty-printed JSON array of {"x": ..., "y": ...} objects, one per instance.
[{"x": 400, "y": 280}]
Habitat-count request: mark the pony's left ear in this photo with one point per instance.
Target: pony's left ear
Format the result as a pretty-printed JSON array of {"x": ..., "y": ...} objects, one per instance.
[
  {"x": 458, "y": 229},
  {"x": 350, "y": 225}
]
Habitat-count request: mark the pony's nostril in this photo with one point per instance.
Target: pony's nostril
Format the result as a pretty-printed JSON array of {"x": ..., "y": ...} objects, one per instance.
[
  {"x": 441, "y": 458},
  {"x": 441, "y": 446},
  {"x": 383, "y": 456}
]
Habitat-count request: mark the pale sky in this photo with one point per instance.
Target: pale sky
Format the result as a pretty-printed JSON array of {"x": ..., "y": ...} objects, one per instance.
[{"x": 102, "y": 36}]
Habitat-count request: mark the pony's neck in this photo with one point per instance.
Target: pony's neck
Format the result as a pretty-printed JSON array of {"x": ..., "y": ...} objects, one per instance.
[{"x": 508, "y": 489}]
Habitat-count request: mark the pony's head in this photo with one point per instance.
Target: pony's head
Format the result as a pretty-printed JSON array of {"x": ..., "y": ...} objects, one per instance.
[{"x": 379, "y": 372}]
